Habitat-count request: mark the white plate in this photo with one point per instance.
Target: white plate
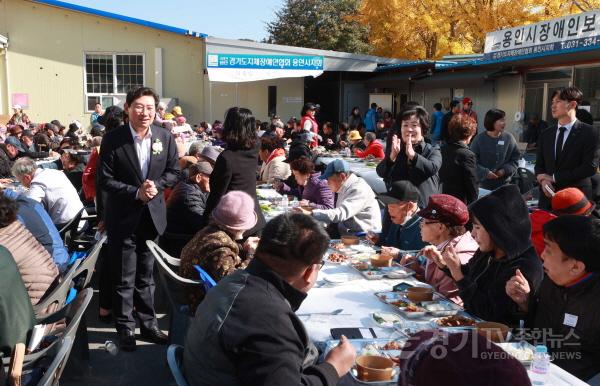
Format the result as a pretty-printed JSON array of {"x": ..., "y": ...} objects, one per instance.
[
  {"x": 389, "y": 319},
  {"x": 339, "y": 278}
]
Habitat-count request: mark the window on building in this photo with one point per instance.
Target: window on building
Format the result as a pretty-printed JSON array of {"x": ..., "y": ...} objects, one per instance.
[
  {"x": 110, "y": 76},
  {"x": 588, "y": 81}
]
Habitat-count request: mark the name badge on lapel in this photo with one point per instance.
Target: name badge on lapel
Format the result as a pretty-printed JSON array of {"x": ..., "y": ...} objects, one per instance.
[
  {"x": 500, "y": 143},
  {"x": 570, "y": 320}
]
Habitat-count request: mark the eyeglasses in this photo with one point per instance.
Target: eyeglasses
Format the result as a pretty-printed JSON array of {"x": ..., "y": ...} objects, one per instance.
[{"x": 321, "y": 264}]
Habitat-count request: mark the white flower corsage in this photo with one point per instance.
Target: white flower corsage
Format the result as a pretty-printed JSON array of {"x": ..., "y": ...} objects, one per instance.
[{"x": 157, "y": 147}]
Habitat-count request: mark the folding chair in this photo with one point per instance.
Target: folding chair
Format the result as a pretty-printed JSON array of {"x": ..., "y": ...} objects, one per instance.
[
  {"x": 174, "y": 286},
  {"x": 70, "y": 226},
  {"x": 175, "y": 360},
  {"x": 60, "y": 293},
  {"x": 52, "y": 375},
  {"x": 88, "y": 264}
]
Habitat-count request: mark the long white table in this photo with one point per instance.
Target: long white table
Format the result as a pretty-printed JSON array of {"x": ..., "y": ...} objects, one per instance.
[{"x": 356, "y": 298}]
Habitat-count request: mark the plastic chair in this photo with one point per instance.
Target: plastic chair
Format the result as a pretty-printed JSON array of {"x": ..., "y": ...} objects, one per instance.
[
  {"x": 52, "y": 375},
  {"x": 70, "y": 226},
  {"x": 524, "y": 179},
  {"x": 88, "y": 264},
  {"x": 174, "y": 287},
  {"x": 175, "y": 360},
  {"x": 59, "y": 293}
]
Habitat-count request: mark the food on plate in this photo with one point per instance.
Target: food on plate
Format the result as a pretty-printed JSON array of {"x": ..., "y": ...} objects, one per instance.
[
  {"x": 455, "y": 321},
  {"x": 393, "y": 345},
  {"x": 338, "y": 246},
  {"x": 266, "y": 208},
  {"x": 399, "y": 303},
  {"x": 361, "y": 266},
  {"x": 414, "y": 308},
  {"x": 385, "y": 319},
  {"x": 337, "y": 257}
]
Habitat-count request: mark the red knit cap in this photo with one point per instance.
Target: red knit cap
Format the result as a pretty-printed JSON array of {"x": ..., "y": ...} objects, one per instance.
[{"x": 571, "y": 201}]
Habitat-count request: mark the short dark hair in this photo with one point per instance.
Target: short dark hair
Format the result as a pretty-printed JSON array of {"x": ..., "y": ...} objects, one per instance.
[
  {"x": 75, "y": 158},
  {"x": 307, "y": 106},
  {"x": 295, "y": 238},
  {"x": 568, "y": 94},
  {"x": 239, "y": 129},
  {"x": 491, "y": 117},
  {"x": 577, "y": 237},
  {"x": 453, "y": 104},
  {"x": 373, "y": 105},
  {"x": 270, "y": 144},
  {"x": 8, "y": 211},
  {"x": 437, "y": 106},
  {"x": 139, "y": 92},
  {"x": 421, "y": 114},
  {"x": 344, "y": 126},
  {"x": 459, "y": 127},
  {"x": 112, "y": 118},
  {"x": 303, "y": 165}
]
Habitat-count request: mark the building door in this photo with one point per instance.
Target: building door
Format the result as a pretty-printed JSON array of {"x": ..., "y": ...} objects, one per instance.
[{"x": 539, "y": 86}]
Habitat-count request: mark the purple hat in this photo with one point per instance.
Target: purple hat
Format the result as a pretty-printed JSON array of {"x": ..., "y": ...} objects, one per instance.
[
  {"x": 446, "y": 209},
  {"x": 236, "y": 211}
]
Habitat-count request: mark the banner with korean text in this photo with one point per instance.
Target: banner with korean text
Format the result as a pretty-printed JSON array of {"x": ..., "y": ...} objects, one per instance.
[
  {"x": 565, "y": 33},
  {"x": 248, "y": 67}
]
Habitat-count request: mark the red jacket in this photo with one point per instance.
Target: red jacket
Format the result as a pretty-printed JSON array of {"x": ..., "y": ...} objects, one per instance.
[
  {"x": 375, "y": 149},
  {"x": 89, "y": 176},
  {"x": 314, "y": 129}
]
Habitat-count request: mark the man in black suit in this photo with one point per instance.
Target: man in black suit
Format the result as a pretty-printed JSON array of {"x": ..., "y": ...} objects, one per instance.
[
  {"x": 568, "y": 154},
  {"x": 138, "y": 161}
]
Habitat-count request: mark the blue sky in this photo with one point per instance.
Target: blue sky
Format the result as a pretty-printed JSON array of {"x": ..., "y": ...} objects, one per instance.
[{"x": 232, "y": 19}]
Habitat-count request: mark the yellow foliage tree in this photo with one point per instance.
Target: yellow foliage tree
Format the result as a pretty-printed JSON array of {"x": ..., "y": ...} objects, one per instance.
[{"x": 430, "y": 29}]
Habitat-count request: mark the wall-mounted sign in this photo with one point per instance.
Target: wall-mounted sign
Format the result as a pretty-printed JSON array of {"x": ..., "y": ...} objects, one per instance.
[
  {"x": 565, "y": 33},
  {"x": 249, "y": 67}
]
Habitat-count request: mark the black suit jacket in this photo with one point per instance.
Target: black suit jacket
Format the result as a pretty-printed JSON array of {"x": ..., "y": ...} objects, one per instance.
[
  {"x": 121, "y": 177},
  {"x": 458, "y": 174},
  {"x": 577, "y": 163}
]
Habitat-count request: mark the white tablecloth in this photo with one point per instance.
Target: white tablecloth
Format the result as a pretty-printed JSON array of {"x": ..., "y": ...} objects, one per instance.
[{"x": 357, "y": 299}]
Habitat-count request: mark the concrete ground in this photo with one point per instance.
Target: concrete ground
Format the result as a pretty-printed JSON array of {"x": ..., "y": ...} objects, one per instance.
[{"x": 146, "y": 366}]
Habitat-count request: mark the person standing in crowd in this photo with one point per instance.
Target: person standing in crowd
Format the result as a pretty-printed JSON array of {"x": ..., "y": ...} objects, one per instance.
[
  {"x": 437, "y": 119},
  {"x": 535, "y": 126},
  {"x": 467, "y": 109},
  {"x": 497, "y": 152},
  {"x": 137, "y": 163},
  {"x": 409, "y": 157},
  {"x": 371, "y": 118},
  {"x": 19, "y": 117},
  {"x": 453, "y": 108},
  {"x": 246, "y": 330},
  {"x": 356, "y": 209},
  {"x": 235, "y": 168},
  {"x": 458, "y": 174},
  {"x": 443, "y": 226},
  {"x": 373, "y": 147},
  {"x": 96, "y": 114},
  {"x": 388, "y": 120},
  {"x": 568, "y": 154},
  {"x": 311, "y": 189},
  {"x": 355, "y": 119},
  {"x": 565, "y": 307},
  {"x": 274, "y": 166},
  {"x": 309, "y": 123},
  {"x": 218, "y": 248},
  {"x": 502, "y": 229}
]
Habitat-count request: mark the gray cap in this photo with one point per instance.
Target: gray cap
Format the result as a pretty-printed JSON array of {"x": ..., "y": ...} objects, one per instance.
[
  {"x": 210, "y": 153},
  {"x": 12, "y": 140},
  {"x": 200, "y": 167}
]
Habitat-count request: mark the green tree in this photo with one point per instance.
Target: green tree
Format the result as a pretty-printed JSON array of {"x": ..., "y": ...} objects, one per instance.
[{"x": 321, "y": 24}]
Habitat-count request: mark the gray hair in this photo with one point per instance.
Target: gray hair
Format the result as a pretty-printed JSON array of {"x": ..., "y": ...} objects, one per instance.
[
  {"x": 196, "y": 148},
  {"x": 370, "y": 136},
  {"x": 23, "y": 166},
  {"x": 162, "y": 104}
]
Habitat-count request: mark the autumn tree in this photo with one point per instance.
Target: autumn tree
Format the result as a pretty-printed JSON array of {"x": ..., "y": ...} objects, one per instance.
[
  {"x": 321, "y": 24},
  {"x": 430, "y": 29}
]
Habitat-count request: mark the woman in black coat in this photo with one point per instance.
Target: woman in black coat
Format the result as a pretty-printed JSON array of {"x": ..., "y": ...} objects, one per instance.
[
  {"x": 235, "y": 168},
  {"x": 410, "y": 157},
  {"x": 458, "y": 174}
]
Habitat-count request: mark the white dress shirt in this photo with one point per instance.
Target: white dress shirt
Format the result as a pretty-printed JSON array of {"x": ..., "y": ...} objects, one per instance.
[
  {"x": 143, "y": 149},
  {"x": 53, "y": 189},
  {"x": 568, "y": 126}
]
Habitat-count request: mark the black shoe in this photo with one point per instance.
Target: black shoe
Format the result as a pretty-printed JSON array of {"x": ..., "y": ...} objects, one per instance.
[
  {"x": 154, "y": 335},
  {"x": 126, "y": 340}
]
